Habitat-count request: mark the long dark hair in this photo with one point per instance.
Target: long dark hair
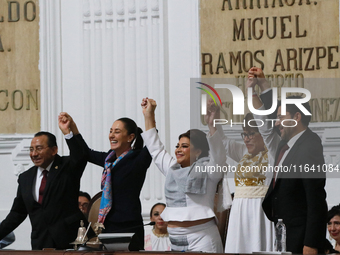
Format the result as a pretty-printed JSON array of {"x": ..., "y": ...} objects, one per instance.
[{"x": 132, "y": 128}]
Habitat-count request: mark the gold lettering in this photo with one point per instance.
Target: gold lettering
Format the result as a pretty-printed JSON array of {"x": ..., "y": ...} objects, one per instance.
[
  {"x": 10, "y": 18},
  {"x": 29, "y": 97},
  {"x": 279, "y": 61},
  {"x": 318, "y": 56},
  {"x": 254, "y": 29},
  {"x": 221, "y": 64},
  {"x": 21, "y": 99},
  {"x": 307, "y": 68},
  {"x": 290, "y": 4},
  {"x": 239, "y": 31},
  {"x": 298, "y": 28},
  {"x": 274, "y": 28},
  {"x": 330, "y": 57},
  {"x": 280, "y": 1},
  {"x": 299, "y": 77},
  {"x": 291, "y": 58},
  {"x": 1, "y": 46},
  {"x": 283, "y": 27},
  {"x": 6, "y": 104},
  {"x": 307, "y": 2},
  {"x": 258, "y": 60},
  {"x": 229, "y": 5},
  {"x": 204, "y": 63},
  {"x": 249, "y": 29},
  {"x": 244, "y": 61},
  {"x": 234, "y": 60},
  {"x": 33, "y": 11}
]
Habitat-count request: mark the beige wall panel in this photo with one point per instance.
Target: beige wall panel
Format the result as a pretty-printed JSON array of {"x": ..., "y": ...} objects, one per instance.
[
  {"x": 313, "y": 31},
  {"x": 19, "y": 73}
]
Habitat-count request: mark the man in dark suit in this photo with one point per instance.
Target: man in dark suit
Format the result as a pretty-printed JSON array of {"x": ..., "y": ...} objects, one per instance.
[
  {"x": 50, "y": 199},
  {"x": 298, "y": 197}
]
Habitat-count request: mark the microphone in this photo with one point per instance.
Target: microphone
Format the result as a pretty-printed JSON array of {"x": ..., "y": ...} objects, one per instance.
[{"x": 152, "y": 223}]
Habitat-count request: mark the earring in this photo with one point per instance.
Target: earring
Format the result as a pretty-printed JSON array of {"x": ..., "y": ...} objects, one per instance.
[
  {"x": 196, "y": 157},
  {"x": 128, "y": 141}
]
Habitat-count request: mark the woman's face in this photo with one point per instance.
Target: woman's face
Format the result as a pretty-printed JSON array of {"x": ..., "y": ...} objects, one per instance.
[
  {"x": 185, "y": 152},
  {"x": 334, "y": 228},
  {"x": 156, "y": 217},
  {"x": 119, "y": 138},
  {"x": 253, "y": 141}
]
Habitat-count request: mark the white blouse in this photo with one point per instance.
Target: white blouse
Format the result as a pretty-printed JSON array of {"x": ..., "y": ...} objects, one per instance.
[{"x": 197, "y": 206}]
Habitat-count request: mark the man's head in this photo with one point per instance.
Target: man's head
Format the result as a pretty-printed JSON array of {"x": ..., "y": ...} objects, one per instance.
[
  {"x": 84, "y": 201},
  {"x": 43, "y": 149},
  {"x": 294, "y": 121}
]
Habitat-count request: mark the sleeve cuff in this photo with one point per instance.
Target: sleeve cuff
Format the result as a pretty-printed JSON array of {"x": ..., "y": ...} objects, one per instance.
[
  {"x": 68, "y": 136},
  {"x": 265, "y": 91}
]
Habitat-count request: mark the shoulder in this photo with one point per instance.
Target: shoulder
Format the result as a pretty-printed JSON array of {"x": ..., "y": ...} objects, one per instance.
[{"x": 31, "y": 171}]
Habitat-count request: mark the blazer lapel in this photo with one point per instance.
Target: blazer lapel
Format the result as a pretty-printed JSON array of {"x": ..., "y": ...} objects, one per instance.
[
  {"x": 31, "y": 177},
  {"x": 293, "y": 151},
  {"x": 52, "y": 175}
]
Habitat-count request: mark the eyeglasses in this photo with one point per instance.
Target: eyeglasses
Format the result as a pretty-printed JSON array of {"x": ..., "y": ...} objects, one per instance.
[
  {"x": 38, "y": 149},
  {"x": 248, "y": 135},
  {"x": 84, "y": 205}
]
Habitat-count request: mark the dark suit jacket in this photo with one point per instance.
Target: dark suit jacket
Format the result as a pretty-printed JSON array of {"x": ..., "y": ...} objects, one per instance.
[
  {"x": 299, "y": 198},
  {"x": 57, "y": 219},
  {"x": 127, "y": 181}
]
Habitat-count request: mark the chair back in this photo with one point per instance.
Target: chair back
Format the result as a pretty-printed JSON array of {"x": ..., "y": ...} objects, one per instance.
[{"x": 94, "y": 209}]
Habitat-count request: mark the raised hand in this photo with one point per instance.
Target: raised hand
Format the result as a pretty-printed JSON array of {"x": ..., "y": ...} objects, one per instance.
[
  {"x": 256, "y": 76},
  {"x": 66, "y": 124},
  {"x": 149, "y": 106},
  {"x": 252, "y": 78},
  {"x": 213, "y": 112}
]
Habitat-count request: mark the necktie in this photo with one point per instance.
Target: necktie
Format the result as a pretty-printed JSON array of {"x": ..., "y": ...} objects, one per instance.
[
  {"x": 42, "y": 186},
  {"x": 282, "y": 151}
]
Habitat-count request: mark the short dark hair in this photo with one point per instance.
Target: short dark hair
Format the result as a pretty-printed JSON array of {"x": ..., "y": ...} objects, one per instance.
[
  {"x": 51, "y": 139},
  {"x": 292, "y": 109},
  {"x": 132, "y": 128},
  {"x": 153, "y": 207},
  {"x": 198, "y": 139},
  {"x": 250, "y": 118},
  {"x": 334, "y": 211},
  {"x": 84, "y": 194}
]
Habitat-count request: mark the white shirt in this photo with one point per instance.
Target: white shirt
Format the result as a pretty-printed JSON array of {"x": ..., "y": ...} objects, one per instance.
[{"x": 38, "y": 179}]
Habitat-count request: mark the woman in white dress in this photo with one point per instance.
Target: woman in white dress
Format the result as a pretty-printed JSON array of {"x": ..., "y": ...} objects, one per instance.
[
  {"x": 249, "y": 229},
  {"x": 189, "y": 187},
  {"x": 158, "y": 239}
]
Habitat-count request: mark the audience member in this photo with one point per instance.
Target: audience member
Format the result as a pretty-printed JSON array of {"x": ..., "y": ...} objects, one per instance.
[
  {"x": 158, "y": 239},
  {"x": 297, "y": 197},
  {"x": 48, "y": 192},
  {"x": 83, "y": 202},
  {"x": 333, "y": 225},
  {"x": 125, "y": 166},
  {"x": 189, "y": 188}
]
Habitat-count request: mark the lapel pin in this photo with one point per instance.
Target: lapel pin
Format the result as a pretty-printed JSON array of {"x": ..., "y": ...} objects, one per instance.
[{"x": 56, "y": 167}]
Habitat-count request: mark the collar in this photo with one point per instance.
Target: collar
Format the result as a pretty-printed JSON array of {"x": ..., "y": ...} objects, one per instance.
[
  {"x": 40, "y": 169},
  {"x": 293, "y": 140}
]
